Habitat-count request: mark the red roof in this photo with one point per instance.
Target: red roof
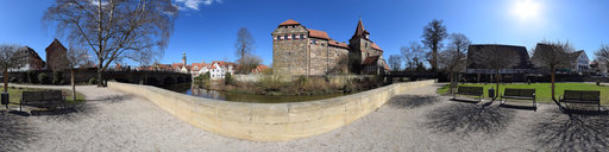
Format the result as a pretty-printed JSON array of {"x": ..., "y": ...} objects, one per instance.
[
  {"x": 371, "y": 60},
  {"x": 289, "y": 22},
  {"x": 359, "y": 30},
  {"x": 374, "y": 46},
  {"x": 318, "y": 34},
  {"x": 259, "y": 68},
  {"x": 338, "y": 44}
]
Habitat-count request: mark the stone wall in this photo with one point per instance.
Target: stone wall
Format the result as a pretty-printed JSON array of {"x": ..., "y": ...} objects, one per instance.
[{"x": 268, "y": 121}]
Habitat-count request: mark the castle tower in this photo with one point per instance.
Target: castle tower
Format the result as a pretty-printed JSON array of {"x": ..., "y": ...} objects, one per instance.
[
  {"x": 184, "y": 58},
  {"x": 362, "y": 48}
]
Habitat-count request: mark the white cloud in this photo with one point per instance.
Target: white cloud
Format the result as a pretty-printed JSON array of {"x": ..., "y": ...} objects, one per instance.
[{"x": 194, "y": 4}]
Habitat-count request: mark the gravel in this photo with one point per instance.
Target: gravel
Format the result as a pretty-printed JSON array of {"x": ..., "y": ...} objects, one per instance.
[{"x": 416, "y": 121}]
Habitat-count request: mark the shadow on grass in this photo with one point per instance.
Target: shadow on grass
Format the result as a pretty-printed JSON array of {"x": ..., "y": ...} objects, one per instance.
[
  {"x": 559, "y": 132},
  {"x": 15, "y": 132},
  {"x": 469, "y": 118},
  {"x": 412, "y": 101}
]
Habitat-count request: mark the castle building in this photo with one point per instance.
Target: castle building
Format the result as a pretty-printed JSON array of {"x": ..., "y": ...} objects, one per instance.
[
  {"x": 56, "y": 56},
  {"x": 298, "y": 50}
]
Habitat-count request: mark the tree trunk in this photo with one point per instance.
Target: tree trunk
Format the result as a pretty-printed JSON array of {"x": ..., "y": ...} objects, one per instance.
[
  {"x": 73, "y": 84},
  {"x": 553, "y": 79},
  {"x": 452, "y": 85},
  {"x": 99, "y": 75},
  {"x": 5, "y": 79},
  {"x": 496, "y": 85}
]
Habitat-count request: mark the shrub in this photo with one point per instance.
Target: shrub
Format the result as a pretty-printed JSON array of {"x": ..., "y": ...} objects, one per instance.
[
  {"x": 92, "y": 80},
  {"x": 57, "y": 77},
  {"x": 12, "y": 79},
  {"x": 228, "y": 78},
  {"x": 43, "y": 78}
]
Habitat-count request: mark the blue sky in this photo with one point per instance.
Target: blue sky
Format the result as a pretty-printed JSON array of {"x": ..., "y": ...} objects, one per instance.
[{"x": 206, "y": 29}]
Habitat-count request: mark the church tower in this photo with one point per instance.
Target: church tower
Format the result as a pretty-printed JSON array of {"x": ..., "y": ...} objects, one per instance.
[{"x": 362, "y": 48}]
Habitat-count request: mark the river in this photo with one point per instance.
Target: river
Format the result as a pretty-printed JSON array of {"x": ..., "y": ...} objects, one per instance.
[{"x": 241, "y": 97}]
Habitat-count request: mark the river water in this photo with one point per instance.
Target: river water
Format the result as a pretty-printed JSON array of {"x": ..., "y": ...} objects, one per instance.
[{"x": 242, "y": 97}]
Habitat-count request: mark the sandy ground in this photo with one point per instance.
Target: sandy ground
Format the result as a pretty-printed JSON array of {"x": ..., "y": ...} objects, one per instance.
[{"x": 417, "y": 121}]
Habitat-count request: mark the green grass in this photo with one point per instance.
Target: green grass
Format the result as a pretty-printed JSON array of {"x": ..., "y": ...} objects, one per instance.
[
  {"x": 15, "y": 95},
  {"x": 542, "y": 90}
]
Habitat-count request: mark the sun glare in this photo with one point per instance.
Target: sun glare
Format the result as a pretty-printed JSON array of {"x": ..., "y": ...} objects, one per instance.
[{"x": 526, "y": 9}]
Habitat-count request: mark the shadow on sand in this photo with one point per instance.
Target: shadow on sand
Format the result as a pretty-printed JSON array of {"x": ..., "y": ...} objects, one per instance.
[
  {"x": 412, "y": 101},
  {"x": 465, "y": 119},
  {"x": 561, "y": 132},
  {"x": 15, "y": 132},
  {"x": 113, "y": 98}
]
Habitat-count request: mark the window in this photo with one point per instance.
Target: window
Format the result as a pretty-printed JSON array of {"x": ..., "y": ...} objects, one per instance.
[
  {"x": 278, "y": 37},
  {"x": 314, "y": 42},
  {"x": 294, "y": 36},
  {"x": 285, "y": 37},
  {"x": 302, "y": 36},
  {"x": 366, "y": 45}
]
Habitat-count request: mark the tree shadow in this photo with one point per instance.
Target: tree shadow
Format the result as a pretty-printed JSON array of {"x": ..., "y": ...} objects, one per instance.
[
  {"x": 560, "y": 132},
  {"x": 72, "y": 112},
  {"x": 15, "y": 132},
  {"x": 468, "y": 118},
  {"x": 113, "y": 98},
  {"x": 412, "y": 101}
]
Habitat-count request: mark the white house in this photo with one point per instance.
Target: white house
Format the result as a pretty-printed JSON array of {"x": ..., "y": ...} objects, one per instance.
[
  {"x": 217, "y": 69},
  {"x": 581, "y": 62}
]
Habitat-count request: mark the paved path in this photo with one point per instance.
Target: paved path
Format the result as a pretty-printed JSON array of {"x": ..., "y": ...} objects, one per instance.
[{"x": 418, "y": 121}]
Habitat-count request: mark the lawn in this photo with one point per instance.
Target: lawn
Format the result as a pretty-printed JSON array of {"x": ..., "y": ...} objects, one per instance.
[
  {"x": 15, "y": 95},
  {"x": 543, "y": 90}
]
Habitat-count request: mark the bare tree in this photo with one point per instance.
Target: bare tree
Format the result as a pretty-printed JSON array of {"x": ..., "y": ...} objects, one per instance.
[
  {"x": 496, "y": 59},
  {"x": 248, "y": 63},
  {"x": 413, "y": 55},
  {"x": 602, "y": 56},
  {"x": 244, "y": 45},
  {"x": 433, "y": 34},
  {"x": 76, "y": 57},
  {"x": 553, "y": 55},
  {"x": 115, "y": 29},
  {"x": 454, "y": 58},
  {"x": 395, "y": 61},
  {"x": 8, "y": 60}
]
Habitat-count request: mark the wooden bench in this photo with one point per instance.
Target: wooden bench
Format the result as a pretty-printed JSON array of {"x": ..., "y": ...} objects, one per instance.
[
  {"x": 470, "y": 91},
  {"x": 519, "y": 94},
  {"x": 42, "y": 99},
  {"x": 579, "y": 98}
]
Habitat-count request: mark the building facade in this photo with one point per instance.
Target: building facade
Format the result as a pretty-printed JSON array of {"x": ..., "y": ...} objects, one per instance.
[
  {"x": 31, "y": 60},
  {"x": 56, "y": 56},
  {"x": 298, "y": 50}
]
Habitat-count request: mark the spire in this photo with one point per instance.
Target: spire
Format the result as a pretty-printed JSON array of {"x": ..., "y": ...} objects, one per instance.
[{"x": 359, "y": 30}]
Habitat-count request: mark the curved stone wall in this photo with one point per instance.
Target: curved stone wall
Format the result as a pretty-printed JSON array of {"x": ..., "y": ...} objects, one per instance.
[{"x": 268, "y": 121}]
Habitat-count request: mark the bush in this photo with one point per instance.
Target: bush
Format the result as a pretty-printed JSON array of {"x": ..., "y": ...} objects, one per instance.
[
  {"x": 228, "y": 79},
  {"x": 93, "y": 80},
  {"x": 43, "y": 78},
  {"x": 12, "y": 79},
  {"x": 57, "y": 77}
]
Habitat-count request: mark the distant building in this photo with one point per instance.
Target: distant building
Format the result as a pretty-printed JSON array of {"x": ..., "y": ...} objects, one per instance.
[
  {"x": 580, "y": 62},
  {"x": 259, "y": 69},
  {"x": 298, "y": 50},
  {"x": 218, "y": 69},
  {"x": 520, "y": 55},
  {"x": 31, "y": 60},
  {"x": 56, "y": 56},
  {"x": 476, "y": 72}
]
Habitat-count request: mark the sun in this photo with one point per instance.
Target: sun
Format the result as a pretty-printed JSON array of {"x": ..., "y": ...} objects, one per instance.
[{"x": 526, "y": 9}]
